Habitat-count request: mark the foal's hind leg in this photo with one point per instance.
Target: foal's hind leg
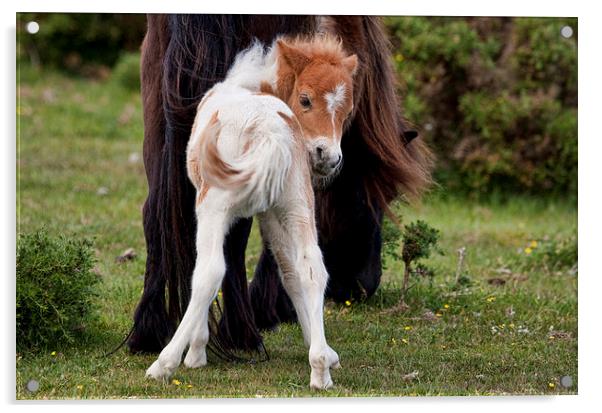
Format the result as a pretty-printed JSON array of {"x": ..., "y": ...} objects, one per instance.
[
  {"x": 304, "y": 277},
  {"x": 206, "y": 279}
]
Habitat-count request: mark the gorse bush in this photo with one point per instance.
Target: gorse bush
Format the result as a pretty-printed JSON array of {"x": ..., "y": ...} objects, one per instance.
[
  {"x": 495, "y": 97},
  {"x": 55, "y": 288},
  {"x": 418, "y": 240}
]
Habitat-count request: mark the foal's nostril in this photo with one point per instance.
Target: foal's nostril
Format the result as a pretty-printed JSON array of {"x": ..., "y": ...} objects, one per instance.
[{"x": 320, "y": 152}]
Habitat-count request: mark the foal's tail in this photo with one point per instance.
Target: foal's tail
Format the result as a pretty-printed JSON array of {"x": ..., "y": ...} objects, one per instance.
[
  {"x": 215, "y": 171},
  {"x": 259, "y": 174}
]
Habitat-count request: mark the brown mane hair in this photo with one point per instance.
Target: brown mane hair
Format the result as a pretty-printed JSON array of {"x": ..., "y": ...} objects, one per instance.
[{"x": 396, "y": 167}]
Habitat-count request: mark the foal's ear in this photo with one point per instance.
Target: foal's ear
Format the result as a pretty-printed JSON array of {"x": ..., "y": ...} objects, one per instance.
[
  {"x": 294, "y": 57},
  {"x": 350, "y": 63}
]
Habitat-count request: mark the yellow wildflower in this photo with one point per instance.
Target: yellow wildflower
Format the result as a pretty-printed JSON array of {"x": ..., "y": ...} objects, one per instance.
[
  {"x": 80, "y": 387},
  {"x": 189, "y": 386},
  {"x": 399, "y": 57},
  {"x": 490, "y": 299},
  {"x": 439, "y": 314},
  {"x": 407, "y": 328},
  {"x": 405, "y": 341},
  {"x": 393, "y": 341},
  {"x": 511, "y": 325},
  {"x": 348, "y": 303},
  {"x": 219, "y": 294},
  {"x": 53, "y": 353},
  {"x": 446, "y": 306},
  {"x": 533, "y": 244},
  {"x": 551, "y": 385},
  {"x": 176, "y": 382},
  {"x": 528, "y": 250}
]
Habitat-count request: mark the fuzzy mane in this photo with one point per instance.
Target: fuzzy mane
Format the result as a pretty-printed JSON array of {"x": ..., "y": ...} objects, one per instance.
[{"x": 327, "y": 47}]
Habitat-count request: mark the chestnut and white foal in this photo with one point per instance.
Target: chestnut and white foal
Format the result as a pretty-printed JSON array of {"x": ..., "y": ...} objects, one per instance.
[{"x": 250, "y": 153}]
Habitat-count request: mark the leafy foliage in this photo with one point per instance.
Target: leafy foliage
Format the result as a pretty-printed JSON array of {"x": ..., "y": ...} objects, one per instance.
[
  {"x": 495, "y": 97},
  {"x": 55, "y": 288},
  {"x": 419, "y": 240}
]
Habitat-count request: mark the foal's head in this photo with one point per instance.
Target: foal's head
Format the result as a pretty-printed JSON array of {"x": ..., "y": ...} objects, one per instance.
[{"x": 315, "y": 80}]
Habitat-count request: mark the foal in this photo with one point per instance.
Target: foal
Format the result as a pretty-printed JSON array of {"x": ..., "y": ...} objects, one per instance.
[{"x": 251, "y": 154}]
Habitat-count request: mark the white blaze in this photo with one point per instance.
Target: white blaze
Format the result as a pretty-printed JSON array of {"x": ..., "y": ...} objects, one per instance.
[{"x": 334, "y": 100}]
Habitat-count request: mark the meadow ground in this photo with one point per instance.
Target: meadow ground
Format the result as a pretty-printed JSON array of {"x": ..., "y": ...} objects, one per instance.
[{"x": 511, "y": 330}]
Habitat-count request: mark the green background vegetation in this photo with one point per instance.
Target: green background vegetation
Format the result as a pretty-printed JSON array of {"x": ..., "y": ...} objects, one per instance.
[{"x": 502, "y": 120}]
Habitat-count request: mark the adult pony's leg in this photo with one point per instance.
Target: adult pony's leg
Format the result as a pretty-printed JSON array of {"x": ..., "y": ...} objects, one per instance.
[
  {"x": 350, "y": 237},
  {"x": 237, "y": 328},
  {"x": 152, "y": 325},
  {"x": 271, "y": 304},
  {"x": 206, "y": 279}
]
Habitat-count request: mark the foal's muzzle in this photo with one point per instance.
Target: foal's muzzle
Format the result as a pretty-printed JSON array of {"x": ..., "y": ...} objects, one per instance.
[{"x": 326, "y": 160}]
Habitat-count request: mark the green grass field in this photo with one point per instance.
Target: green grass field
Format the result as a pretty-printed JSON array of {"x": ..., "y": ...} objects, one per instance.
[{"x": 80, "y": 173}]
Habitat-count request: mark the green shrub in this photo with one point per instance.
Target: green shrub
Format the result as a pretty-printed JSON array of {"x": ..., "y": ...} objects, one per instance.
[
  {"x": 419, "y": 240},
  {"x": 127, "y": 71},
  {"x": 55, "y": 288},
  {"x": 79, "y": 41},
  {"x": 495, "y": 97}
]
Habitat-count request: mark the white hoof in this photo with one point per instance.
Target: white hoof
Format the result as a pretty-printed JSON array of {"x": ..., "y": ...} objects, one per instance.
[
  {"x": 195, "y": 358},
  {"x": 159, "y": 372},
  {"x": 321, "y": 363},
  {"x": 321, "y": 381}
]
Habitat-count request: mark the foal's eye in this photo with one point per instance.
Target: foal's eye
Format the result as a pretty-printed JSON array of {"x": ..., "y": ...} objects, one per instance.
[{"x": 305, "y": 101}]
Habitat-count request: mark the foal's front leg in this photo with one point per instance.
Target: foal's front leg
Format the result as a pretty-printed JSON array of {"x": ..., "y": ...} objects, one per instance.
[{"x": 207, "y": 277}]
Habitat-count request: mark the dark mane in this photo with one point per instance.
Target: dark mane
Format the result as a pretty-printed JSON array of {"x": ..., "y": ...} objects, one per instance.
[{"x": 393, "y": 168}]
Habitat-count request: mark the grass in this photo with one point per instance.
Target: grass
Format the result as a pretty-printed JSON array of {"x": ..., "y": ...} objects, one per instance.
[{"x": 80, "y": 173}]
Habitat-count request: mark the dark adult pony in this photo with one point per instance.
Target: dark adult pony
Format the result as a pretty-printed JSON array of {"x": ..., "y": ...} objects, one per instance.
[{"x": 183, "y": 56}]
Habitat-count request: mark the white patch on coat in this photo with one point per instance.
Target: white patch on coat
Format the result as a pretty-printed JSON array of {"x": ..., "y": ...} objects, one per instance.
[{"x": 335, "y": 99}]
